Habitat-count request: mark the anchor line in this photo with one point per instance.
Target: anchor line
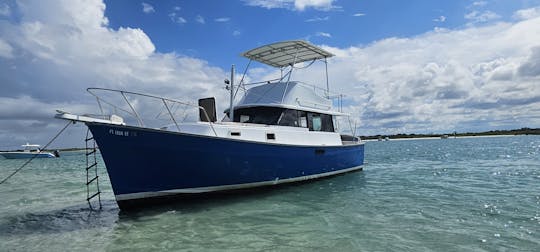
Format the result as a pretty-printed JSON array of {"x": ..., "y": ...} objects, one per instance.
[{"x": 35, "y": 155}]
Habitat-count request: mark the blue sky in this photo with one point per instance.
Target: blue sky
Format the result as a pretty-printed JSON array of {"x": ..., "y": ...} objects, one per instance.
[
  {"x": 416, "y": 66},
  {"x": 218, "y": 30}
]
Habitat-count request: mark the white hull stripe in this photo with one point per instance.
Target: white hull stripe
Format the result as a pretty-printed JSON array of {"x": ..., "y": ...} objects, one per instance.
[{"x": 142, "y": 195}]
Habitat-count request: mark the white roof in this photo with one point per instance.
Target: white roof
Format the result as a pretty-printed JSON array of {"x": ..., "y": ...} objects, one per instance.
[
  {"x": 285, "y": 53},
  {"x": 30, "y": 145},
  {"x": 292, "y": 95}
]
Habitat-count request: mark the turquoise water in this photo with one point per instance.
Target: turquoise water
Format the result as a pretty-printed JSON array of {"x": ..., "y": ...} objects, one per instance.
[{"x": 465, "y": 194}]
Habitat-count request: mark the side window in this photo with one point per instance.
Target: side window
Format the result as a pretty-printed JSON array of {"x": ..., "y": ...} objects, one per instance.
[
  {"x": 244, "y": 118},
  {"x": 316, "y": 122},
  {"x": 302, "y": 115},
  {"x": 327, "y": 123},
  {"x": 289, "y": 117},
  {"x": 320, "y": 122},
  {"x": 259, "y": 115}
]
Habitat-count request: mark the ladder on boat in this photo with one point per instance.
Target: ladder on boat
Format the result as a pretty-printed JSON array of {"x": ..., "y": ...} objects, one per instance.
[{"x": 92, "y": 178}]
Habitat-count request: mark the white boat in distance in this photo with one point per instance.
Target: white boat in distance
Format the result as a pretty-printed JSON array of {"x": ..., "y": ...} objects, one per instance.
[{"x": 30, "y": 151}]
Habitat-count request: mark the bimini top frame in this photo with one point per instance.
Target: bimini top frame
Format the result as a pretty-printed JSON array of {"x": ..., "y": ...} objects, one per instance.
[
  {"x": 286, "y": 53},
  {"x": 283, "y": 55}
]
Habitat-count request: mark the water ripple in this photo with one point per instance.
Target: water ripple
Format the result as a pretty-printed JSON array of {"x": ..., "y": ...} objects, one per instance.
[{"x": 469, "y": 194}]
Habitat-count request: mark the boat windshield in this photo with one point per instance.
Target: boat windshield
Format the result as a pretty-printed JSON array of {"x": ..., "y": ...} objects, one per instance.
[
  {"x": 258, "y": 115},
  {"x": 285, "y": 117}
]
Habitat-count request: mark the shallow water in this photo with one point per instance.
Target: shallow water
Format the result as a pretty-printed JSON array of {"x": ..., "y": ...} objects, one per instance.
[{"x": 465, "y": 194}]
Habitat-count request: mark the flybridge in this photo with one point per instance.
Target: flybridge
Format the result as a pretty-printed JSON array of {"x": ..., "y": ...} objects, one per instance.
[
  {"x": 287, "y": 53},
  {"x": 284, "y": 55}
]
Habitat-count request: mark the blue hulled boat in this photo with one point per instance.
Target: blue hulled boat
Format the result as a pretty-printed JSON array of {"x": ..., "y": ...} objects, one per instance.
[{"x": 280, "y": 131}]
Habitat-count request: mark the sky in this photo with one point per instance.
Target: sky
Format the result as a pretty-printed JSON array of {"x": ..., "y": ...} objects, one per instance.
[{"x": 418, "y": 66}]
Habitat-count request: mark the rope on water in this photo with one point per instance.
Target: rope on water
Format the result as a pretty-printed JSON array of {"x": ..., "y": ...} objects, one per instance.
[{"x": 30, "y": 160}]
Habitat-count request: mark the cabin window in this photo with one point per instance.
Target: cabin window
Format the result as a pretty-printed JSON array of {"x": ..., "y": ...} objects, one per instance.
[
  {"x": 303, "y": 119},
  {"x": 244, "y": 118},
  {"x": 285, "y": 117},
  {"x": 316, "y": 122},
  {"x": 320, "y": 122},
  {"x": 327, "y": 123},
  {"x": 289, "y": 117},
  {"x": 259, "y": 115}
]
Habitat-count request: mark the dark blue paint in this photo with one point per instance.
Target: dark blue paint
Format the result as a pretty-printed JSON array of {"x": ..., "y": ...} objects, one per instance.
[{"x": 146, "y": 160}]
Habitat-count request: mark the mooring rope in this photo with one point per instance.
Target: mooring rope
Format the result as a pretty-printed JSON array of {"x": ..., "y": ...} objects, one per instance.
[{"x": 35, "y": 155}]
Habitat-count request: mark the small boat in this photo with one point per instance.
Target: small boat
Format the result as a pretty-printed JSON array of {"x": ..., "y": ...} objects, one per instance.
[
  {"x": 280, "y": 131},
  {"x": 29, "y": 151}
]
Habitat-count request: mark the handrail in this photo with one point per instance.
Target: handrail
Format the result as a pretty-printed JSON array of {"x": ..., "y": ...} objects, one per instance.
[{"x": 134, "y": 113}]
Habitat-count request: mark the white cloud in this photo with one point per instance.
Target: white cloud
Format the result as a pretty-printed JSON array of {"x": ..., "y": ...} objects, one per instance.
[
  {"x": 5, "y": 10},
  {"x": 479, "y": 3},
  {"x": 440, "y": 19},
  {"x": 527, "y": 13},
  {"x": 200, "y": 19},
  {"x": 443, "y": 80},
  {"x": 6, "y": 50},
  {"x": 531, "y": 67},
  {"x": 469, "y": 79},
  {"x": 147, "y": 8},
  {"x": 318, "y": 19},
  {"x": 222, "y": 19},
  {"x": 481, "y": 17},
  {"x": 55, "y": 51},
  {"x": 269, "y": 4},
  {"x": 177, "y": 19},
  {"x": 316, "y": 4},
  {"x": 359, "y": 14},
  {"x": 298, "y": 5},
  {"x": 323, "y": 34}
]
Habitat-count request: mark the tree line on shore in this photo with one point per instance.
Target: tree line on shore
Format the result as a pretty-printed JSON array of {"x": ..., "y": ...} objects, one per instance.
[{"x": 522, "y": 131}]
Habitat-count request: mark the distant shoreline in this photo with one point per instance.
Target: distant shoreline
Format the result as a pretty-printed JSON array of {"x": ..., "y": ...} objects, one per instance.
[
  {"x": 514, "y": 132},
  {"x": 436, "y": 138}
]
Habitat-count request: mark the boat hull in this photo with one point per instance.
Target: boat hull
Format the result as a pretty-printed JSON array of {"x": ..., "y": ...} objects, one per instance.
[
  {"x": 145, "y": 163},
  {"x": 23, "y": 155}
]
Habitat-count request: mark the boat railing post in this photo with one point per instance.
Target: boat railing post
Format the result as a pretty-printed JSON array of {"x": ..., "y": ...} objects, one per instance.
[
  {"x": 100, "y": 107},
  {"x": 101, "y": 100},
  {"x": 170, "y": 114},
  {"x": 208, "y": 119},
  {"x": 132, "y": 109},
  {"x": 290, "y": 74}
]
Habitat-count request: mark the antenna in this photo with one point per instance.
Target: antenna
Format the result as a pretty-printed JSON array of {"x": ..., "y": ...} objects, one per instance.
[
  {"x": 231, "y": 110},
  {"x": 327, "y": 84}
]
